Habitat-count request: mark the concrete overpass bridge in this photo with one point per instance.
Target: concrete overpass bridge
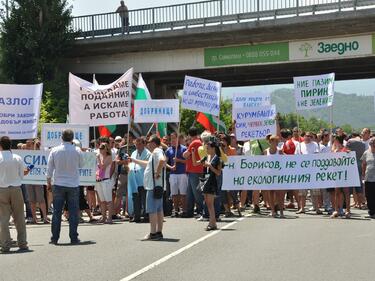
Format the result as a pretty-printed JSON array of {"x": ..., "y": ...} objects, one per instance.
[{"x": 237, "y": 42}]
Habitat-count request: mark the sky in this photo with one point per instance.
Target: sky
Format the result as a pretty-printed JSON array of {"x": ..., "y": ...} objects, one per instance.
[{"x": 86, "y": 7}]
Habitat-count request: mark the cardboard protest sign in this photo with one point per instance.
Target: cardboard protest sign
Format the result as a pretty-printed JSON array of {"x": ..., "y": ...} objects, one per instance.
[
  {"x": 253, "y": 99},
  {"x": 39, "y": 158},
  {"x": 254, "y": 123},
  {"x": 20, "y": 110},
  {"x": 313, "y": 92},
  {"x": 99, "y": 105},
  {"x": 201, "y": 95},
  {"x": 51, "y": 134},
  {"x": 151, "y": 111},
  {"x": 285, "y": 172}
]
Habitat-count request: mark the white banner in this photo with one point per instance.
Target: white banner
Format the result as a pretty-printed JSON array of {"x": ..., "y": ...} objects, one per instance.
[
  {"x": 285, "y": 172},
  {"x": 51, "y": 134},
  {"x": 20, "y": 110},
  {"x": 99, "y": 105},
  {"x": 313, "y": 92},
  {"x": 335, "y": 48},
  {"x": 254, "y": 123},
  {"x": 253, "y": 99},
  {"x": 201, "y": 95},
  {"x": 39, "y": 158},
  {"x": 160, "y": 111}
]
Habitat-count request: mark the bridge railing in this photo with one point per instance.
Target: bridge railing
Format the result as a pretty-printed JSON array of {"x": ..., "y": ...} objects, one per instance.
[{"x": 204, "y": 13}]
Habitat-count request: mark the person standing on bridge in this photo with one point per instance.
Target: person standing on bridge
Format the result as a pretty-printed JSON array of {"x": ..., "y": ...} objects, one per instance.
[
  {"x": 124, "y": 15},
  {"x": 12, "y": 171},
  {"x": 64, "y": 162}
]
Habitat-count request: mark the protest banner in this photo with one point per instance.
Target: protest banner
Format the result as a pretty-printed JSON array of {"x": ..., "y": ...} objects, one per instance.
[
  {"x": 286, "y": 172},
  {"x": 100, "y": 105},
  {"x": 39, "y": 158},
  {"x": 312, "y": 92},
  {"x": 201, "y": 95},
  {"x": 253, "y": 99},
  {"x": 254, "y": 123},
  {"x": 51, "y": 134},
  {"x": 151, "y": 111},
  {"x": 20, "y": 110}
]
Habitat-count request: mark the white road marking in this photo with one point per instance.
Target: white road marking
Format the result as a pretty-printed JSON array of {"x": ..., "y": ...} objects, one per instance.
[{"x": 179, "y": 251}]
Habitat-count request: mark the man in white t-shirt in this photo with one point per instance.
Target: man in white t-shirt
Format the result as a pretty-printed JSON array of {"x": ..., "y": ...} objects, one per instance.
[{"x": 308, "y": 147}]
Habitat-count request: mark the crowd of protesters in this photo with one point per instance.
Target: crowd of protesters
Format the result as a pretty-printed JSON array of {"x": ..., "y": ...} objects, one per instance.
[{"x": 143, "y": 179}]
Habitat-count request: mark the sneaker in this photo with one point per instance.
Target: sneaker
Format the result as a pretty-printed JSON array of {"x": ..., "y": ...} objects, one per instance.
[
  {"x": 23, "y": 249},
  {"x": 53, "y": 242},
  {"x": 158, "y": 236},
  {"x": 150, "y": 237}
]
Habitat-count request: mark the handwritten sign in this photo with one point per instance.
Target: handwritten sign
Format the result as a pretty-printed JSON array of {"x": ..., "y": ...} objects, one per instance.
[
  {"x": 253, "y": 99},
  {"x": 313, "y": 92},
  {"x": 254, "y": 123},
  {"x": 201, "y": 95}
]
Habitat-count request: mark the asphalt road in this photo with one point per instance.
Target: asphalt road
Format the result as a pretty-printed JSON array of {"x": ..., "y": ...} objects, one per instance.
[{"x": 301, "y": 248}]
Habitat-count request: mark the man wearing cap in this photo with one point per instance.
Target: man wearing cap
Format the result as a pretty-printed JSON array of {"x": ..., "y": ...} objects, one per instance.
[{"x": 12, "y": 171}]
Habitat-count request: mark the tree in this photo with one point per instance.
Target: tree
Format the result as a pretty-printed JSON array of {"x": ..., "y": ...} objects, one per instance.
[{"x": 34, "y": 39}]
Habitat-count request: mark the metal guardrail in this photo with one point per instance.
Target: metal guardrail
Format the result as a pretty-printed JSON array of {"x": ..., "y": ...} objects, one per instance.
[{"x": 204, "y": 13}]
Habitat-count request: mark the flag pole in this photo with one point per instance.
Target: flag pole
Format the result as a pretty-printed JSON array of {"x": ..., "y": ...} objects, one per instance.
[
  {"x": 218, "y": 118},
  {"x": 149, "y": 131},
  {"x": 177, "y": 140},
  {"x": 331, "y": 119}
]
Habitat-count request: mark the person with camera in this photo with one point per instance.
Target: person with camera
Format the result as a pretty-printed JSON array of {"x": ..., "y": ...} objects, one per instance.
[{"x": 154, "y": 183}]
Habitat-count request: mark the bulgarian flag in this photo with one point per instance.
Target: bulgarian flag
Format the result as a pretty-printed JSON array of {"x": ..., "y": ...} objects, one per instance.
[
  {"x": 142, "y": 93},
  {"x": 104, "y": 131},
  {"x": 210, "y": 122}
]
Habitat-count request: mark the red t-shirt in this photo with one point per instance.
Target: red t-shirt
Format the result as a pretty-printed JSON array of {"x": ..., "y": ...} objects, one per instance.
[
  {"x": 289, "y": 147},
  {"x": 189, "y": 163}
]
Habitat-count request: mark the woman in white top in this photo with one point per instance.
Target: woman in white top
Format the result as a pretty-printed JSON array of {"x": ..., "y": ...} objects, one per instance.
[
  {"x": 104, "y": 183},
  {"x": 276, "y": 197}
]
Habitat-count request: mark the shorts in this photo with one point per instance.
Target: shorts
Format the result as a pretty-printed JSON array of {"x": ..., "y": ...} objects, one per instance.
[
  {"x": 35, "y": 193},
  {"x": 104, "y": 189},
  {"x": 153, "y": 205},
  {"x": 178, "y": 183},
  {"x": 122, "y": 185}
]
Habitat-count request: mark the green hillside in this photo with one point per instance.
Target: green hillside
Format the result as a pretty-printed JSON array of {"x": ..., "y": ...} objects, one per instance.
[{"x": 357, "y": 111}]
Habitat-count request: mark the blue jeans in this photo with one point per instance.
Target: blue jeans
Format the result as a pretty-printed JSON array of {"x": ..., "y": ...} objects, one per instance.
[
  {"x": 194, "y": 194},
  {"x": 26, "y": 200},
  {"x": 70, "y": 195}
]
